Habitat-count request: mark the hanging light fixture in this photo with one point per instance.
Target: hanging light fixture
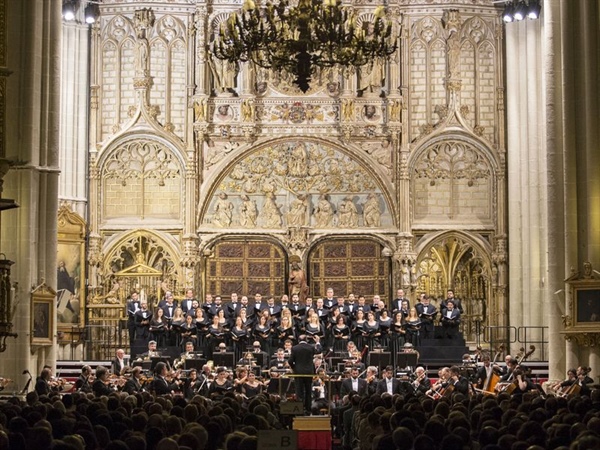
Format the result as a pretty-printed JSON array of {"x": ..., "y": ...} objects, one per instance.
[
  {"x": 302, "y": 39},
  {"x": 91, "y": 13},
  {"x": 507, "y": 14},
  {"x": 68, "y": 10},
  {"x": 520, "y": 11},
  {"x": 534, "y": 10}
]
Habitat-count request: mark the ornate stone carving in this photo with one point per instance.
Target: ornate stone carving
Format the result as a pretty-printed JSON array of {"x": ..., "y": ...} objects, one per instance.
[
  {"x": 297, "y": 238},
  {"x": 296, "y": 216},
  {"x": 324, "y": 212},
  {"x": 216, "y": 152},
  {"x": 248, "y": 212},
  {"x": 584, "y": 339},
  {"x": 270, "y": 213},
  {"x": 347, "y": 213},
  {"x": 222, "y": 211},
  {"x": 372, "y": 211},
  {"x": 143, "y": 20},
  {"x": 141, "y": 159},
  {"x": 451, "y": 159}
]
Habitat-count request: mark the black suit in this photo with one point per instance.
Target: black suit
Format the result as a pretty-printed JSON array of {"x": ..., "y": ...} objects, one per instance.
[
  {"x": 132, "y": 307},
  {"x": 116, "y": 366},
  {"x": 301, "y": 362},
  {"x": 427, "y": 319},
  {"x": 162, "y": 386},
  {"x": 382, "y": 386},
  {"x": 132, "y": 386},
  {"x": 461, "y": 385},
  {"x": 347, "y": 386},
  {"x": 451, "y": 323},
  {"x": 397, "y": 304}
]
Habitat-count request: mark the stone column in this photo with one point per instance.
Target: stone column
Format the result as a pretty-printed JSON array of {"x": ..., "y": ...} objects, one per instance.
[
  {"x": 29, "y": 234},
  {"x": 526, "y": 175}
]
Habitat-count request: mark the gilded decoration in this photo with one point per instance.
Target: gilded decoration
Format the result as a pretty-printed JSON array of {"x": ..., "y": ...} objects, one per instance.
[
  {"x": 453, "y": 262},
  {"x": 297, "y": 184}
]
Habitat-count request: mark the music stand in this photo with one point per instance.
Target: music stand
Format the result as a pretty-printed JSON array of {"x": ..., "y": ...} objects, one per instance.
[
  {"x": 194, "y": 363},
  {"x": 226, "y": 359},
  {"x": 274, "y": 385},
  {"x": 406, "y": 360},
  {"x": 156, "y": 359},
  {"x": 379, "y": 359},
  {"x": 260, "y": 359}
]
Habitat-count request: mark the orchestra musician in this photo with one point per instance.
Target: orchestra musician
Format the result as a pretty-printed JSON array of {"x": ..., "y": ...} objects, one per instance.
[
  {"x": 83, "y": 382},
  {"x": 42, "y": 383},
  {"x": 584, "y": 380},
  {"x": 438, "y": 388},
  {"x": 118, "y": 364},
  {"x": 422, "y": 383},
  {"x": 220, "y": 385},
  {"x": 372, "y": 380},
  {"x": 388, "y": 384},
  {"x": 161, "y": 385},
  {"x": 280, "y": 360},
  {"x": 101, "y": 385},
  {"x": 460, "y": 383},
  {"x": 319, "y": 392},
  {"x": 133, "y": 384},
  {"x": 354, "y": 383},
  {"x": 252, "y": 386},
  {"x": 192, "y": 385},
  {"x": 484, "y": 372}
]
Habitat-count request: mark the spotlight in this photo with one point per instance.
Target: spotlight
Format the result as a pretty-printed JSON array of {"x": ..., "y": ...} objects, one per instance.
[
  {"x": 534, "y": 9},
  {"x": 507, "y": 14},
  {"x": 520, "y": 11},
  {"x": 68, "y": 10},
  {"x": 92, "y": 11}
]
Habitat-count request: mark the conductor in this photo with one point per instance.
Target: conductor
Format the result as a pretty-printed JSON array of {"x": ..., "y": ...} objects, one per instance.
[{"x": 301, "y": 362}]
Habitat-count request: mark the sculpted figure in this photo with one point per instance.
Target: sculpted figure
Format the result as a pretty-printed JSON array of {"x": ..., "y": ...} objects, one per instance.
[
  {"x": 297, "y": 282},
  {"x": 270, "y": 214},
  {"x": 371, "y": 78},
  {"x": 348, "y": 214},
  {"x": 323, "y": 213},
  {"x": 296, "y": 216},
  {"x": 371, "y": 211},
  {"x": 298, "y": 163},
  {"x": 248, "y": 212},
  {"x": 142, "y": 66},
  {"x": 223, "y": 211},
  {"x": 224, "y": 75}
]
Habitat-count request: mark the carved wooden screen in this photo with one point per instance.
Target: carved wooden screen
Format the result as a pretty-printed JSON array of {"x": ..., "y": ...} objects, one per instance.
[
  {"x": 349, "y": 266},
  {"x": 246, "y": 267}
]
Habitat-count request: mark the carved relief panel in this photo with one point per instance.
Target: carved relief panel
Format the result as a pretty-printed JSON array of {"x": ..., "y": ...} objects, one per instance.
[
  {"x": 297, "y": 183},
  {"x": 452, "y": 181},
  {"x": 142, "y": 178}
]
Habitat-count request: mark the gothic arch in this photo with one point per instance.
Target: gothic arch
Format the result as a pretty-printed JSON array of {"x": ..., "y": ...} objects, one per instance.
[
  {"x": 135, "y": 170},
  {"x": 453, "y": 175},
  {"x": 460, "y": 261},
  {"x": 285, "y": 169}
]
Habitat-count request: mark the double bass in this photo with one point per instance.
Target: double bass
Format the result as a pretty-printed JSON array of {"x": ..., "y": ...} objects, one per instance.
[
  {"x": 510, "y": 387},
  {"x": 490, "y": 383}
]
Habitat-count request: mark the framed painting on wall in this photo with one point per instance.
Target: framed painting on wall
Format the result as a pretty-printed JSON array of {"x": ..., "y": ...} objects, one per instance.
[
  {"x": 70, "y": 270},
  {"x": 43, "y": 299}
]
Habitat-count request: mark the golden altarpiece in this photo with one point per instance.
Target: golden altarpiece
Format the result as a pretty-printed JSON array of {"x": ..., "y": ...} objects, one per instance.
[{"x": 216, "y": 177}]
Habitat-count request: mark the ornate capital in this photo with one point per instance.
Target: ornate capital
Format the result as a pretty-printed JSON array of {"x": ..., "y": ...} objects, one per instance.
[{"x": 584, "y": 339}]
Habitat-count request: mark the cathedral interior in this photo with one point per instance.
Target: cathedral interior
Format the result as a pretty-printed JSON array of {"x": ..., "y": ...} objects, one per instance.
[{"x": 134, "y": 159}]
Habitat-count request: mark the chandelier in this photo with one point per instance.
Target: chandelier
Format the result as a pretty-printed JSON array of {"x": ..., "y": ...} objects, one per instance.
[{"x": 302, "y": 39}]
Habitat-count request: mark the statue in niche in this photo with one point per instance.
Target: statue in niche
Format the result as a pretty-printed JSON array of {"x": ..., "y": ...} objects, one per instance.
[
  {"x": 296, "y": 216},
  {"x": 323, "y": 213},
  {"x": 248, "y": 212},
  {"x": 223, "y": 211},
  {"x": 142, "y": 62},
  {"x": 297, "y": 282},
  {"x": 298, "y": 161},
  {"x": 224, "y": 75},
  {"x": 405, "y": 276},
  {"x": 270, "y": 214},
  {"x": 372, "y": 211},
  {"x": 371, "y": 79},
  {"x": 348, "y": 214}
]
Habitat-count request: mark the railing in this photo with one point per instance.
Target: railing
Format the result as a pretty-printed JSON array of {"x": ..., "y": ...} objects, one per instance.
[
  {"x": 515, "y": 338},
  {"x": 101, "y": 341}
]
